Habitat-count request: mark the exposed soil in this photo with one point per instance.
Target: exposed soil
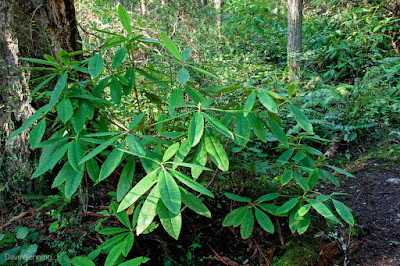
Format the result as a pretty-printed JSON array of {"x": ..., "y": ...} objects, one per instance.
[{"x": 376, "y": 207}]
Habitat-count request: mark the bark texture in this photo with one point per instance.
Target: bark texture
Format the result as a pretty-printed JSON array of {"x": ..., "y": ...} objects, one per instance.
[
  {"x": 295, "y": 35},
  {"x": 28, "y": 28}
]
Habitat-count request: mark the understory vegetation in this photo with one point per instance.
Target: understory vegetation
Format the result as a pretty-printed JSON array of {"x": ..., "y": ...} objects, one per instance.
[{"x": 184, "y": 122}]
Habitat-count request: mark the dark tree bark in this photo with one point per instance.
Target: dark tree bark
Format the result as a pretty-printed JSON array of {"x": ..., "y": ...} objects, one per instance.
[
  {"x": 295, "y": 35},
  {"x": 28, "y": 28}
]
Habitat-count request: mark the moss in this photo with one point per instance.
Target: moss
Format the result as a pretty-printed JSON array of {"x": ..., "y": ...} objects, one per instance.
[{"x": 301, "y": 256}]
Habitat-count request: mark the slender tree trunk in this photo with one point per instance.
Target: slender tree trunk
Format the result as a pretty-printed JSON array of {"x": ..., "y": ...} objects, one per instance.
[
  {"x": 28, "y": 28},
  {"x": 294, "y": 40}
]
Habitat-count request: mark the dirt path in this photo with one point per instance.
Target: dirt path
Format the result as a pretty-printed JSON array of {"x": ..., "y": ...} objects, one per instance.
[{"x": 376, "y": 207}]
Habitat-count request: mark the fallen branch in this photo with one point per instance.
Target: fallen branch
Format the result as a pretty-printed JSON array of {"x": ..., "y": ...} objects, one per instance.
[{"x": 19, "y": 216}]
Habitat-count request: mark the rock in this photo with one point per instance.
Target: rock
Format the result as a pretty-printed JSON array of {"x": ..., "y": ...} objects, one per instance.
[{"x": 394, "y": 181}]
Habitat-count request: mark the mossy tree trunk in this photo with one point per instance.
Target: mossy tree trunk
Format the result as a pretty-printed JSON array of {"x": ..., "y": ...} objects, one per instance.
[{"x": 28, "y": 28}]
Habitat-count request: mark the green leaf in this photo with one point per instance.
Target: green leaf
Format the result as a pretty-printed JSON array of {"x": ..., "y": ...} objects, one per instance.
[
  {"x": 204, "y": 72},
  {"x": 64, "y": 173},
  {"x": 268, "y": 197},
  {"x": 264, "y": 221},
  {"x": 135, "y": 146},
  {"x": 194, "y": 95},
  {"x": 277, "y": 131},
  {"x": 247, "y": 226},
  {"x": 182, "y": 152},
  {"x": 242, "y": 129},
  {"x": 258, "y": 126},
  {"x": 183, "y": 76},
  {"x": 79, "y": 119},
  {"x": 186, "y": 54},
  {"x": 170, "y": 45},
  {"x": 328, "y": 175},
  {"x": 241, "y": 215},
  {"x": 40, "y": 61},
  {"x": 301, "y": 181},
  {"x": 313, "y": 178},
  {"x": 194, "y": 203},
  {"x": 98, "y": 149},
  {"x": 291, "y": 89},
  {"x": 196, "y": 128},
  {"x": 65, "y": 110},
  {"x": 113, "y": 241},
  {"x": 124, "y": 19},
  {"x": 96, "y": 65},
  {"x": 236, "y": 197},
  {"x": 267, "y": 101},
  {"x": 232, "y": 216},
  {"x": 115, "y": 90},
  {"x": 48, "y": 164},
  {"x": 216, "y": 152},
  {"x": 285, "y": 156},
  {"x": 312, "y": 150},
  {"x": 341, "y": 171},
  {"x": 138, "y": 190},
  {"x": 148, "y": 210},
  {"x": 200, "y": 159},
  {"x": 322, "y": 209},
  {"x": 112, "y": 162},
  {"x": 248, "y": 105},
  {"x": 304, "y": 210},
  {"x": 113, "y": 230},
  {"x": 82, "y": 261},
  {"x": 219, "y": 126},
  {"x": 72, "y": 183},
  {"x": 22, "y": 232},
  {"x": 114, "y": 254},
  {"x": 136, "y": 121},
  {"x": 172, "y": 222},
  {"x": 287, "y": 206},
  {"x": 32, "y": 119},
  {"x": 169, "y": 191},
  {"x": 170, "y": 152},
  {"x": 119, "y": 57},
  {"x": 343, "y": 211},
  {"x": 93, "y": 169},
  {"x": 75, "y": 154},
  {"x": 125, "y": 180},
  {"x": 191, "y": 183},
  {"x": 135, "y": 262},
  {"x": 287, "y": 175},
  {"x": 55, "y": 95},
  {"x": 128, "y": 244},
  {"x": 301, "y": 118},
  {"x": 37, "y": 133}
]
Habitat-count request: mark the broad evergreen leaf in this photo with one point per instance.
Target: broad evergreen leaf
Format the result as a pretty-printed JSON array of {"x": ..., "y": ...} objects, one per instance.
[
  {"x": 194, "y": 203},
  {"x": 75, "y": 155},
  {"x": 268, "y": 197},
  {"x": 96, "y": 65},
  {"x": 322, "y": 209},
  {"x": 172, "y": 222},
  {"x": 82, "y": 261},
  {"x": 285, "y": 156},
  {"x": 169, "y": 191},
  {"x": 219, "y": 126},
  {"x": 79, "y": 119},
  {"x": 126, "y": 178},
  {"x": 291, "y": 89},
  {"x": 65, "y": 110},
  {"x": 313, "y": 178},
  {"x": 31, "y": 120},
  {"x": 170, "y": 45},
  {"x": 237, "y": 197},
  {"x": 148, "y": 211},
  {"x": 58, "y": 89},
  {"x": 64, "y": 173},
  {"x": 171, "y": 151},
  {"x": 242, "y": 129},
  {"x": 248, "y": 105},
  {"x": 302, "y": 223},
  {"x": 183, "y": 76},
  {"x": 301, "y": 181},
  {"x": 286, "y": 177},
  {"x": 267, "y": 101},
  {"x": 287, "y": 206},
  {"x": 49, "y": 164},
  {"x": 138, "y": 190},
  {"x": 277, "y": 131},
  {"x": 191, "y": 183},
  {"x": 135, "y": 146},
  {"x": 135, "y": 262},
  {"x": 115, "y": 90},
  {"x": 216, "y": 152},
  {"x": 196, "y": 128},
  {"x": 264, "y": 221},
  {"x": 112, "y": 230},
  {"x": 112, "y": 162},
  {"x": 341, "y": 171},
  {"x": 118, "y": 58},
  {"x": 231, "y": 217},
  {"x": 301, "y": 118},
  {"x": 128, "y": 244},
  {"x": 124, "y": 19},
  {"x": 186, "y": 54},
  {"x": 258, "y": 126},
  {"x": 98, "y": 149},
  {"x": 37, "y": 133},
  {"x": 247, "y": 226},
  {"x": 343, "y": 211},
  {"x": 182, "y": 152},
  {"x": 113, "y": 241},
  {"x": 114, "y": 254},
  {"x": 72, "y": 183},
  {"x": 200, "y": 159},
  {"x": 93, "y": 169}
]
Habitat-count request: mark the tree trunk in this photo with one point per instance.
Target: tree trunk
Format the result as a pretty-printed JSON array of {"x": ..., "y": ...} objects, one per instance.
[
  {"x": 28, "y": 28},
  {"x": 294, "y": 41}
]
